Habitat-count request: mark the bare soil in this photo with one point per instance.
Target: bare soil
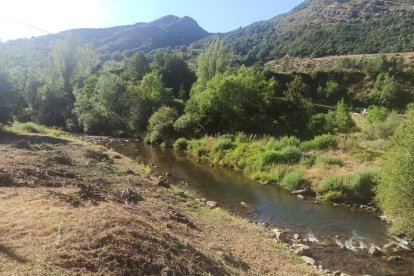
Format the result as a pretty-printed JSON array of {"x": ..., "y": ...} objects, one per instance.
[{"x": 72, "y": 208}]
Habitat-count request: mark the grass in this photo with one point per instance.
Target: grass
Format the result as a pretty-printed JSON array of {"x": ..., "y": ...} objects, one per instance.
[
  {"x": 30, "y": 127},
  {"x": 328, "y": 161},
  {"x": 321, "y": 142}
]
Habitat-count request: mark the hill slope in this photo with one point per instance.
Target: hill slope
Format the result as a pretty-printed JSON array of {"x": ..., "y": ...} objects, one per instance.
[
  {"x": 168, "y": 31},
  {"x": 328, "y": 27}
]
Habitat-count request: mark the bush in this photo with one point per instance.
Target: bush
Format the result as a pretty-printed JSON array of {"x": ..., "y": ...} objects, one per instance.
[
  {"x": 332, "y": 196},
  {"x": 223, "y": 143},
  {"x": 292, "y": 181},
  {"x": 360, "y": 186},
  {"x": 181, "y": 144},
  {"x": 357, "y": 187},
  {"x": 396, "y": 187},
  {"x": 321, "y": 142},
  {"x": 382, "y": 129},
  {"x": 160, "y": 125},
  {"x": 331, "y": 183},
  {"x": 286, "y": 155},
  {"x": 284, "y": 142}
]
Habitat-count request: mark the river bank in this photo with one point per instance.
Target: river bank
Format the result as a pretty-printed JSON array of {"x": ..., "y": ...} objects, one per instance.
[
  {"x": 70, "y": 207},
  {"x": 339, "y": 238}
]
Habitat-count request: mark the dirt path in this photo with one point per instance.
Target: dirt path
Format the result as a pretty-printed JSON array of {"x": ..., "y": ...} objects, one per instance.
[{"x": 68, "y": 207}]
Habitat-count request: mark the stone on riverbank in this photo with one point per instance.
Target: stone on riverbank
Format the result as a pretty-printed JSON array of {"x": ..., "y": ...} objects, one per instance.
[
  {"x": 211, "y": 204},
  {"x": 308, "y": 260},
  {"x": 301, "y": 249},
  {"x": 374, "y": 251},
  {"x": 280, "y": 235}
]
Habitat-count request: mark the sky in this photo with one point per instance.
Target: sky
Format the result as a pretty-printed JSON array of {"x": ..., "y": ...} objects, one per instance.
[{"x": 27, "y": 18}]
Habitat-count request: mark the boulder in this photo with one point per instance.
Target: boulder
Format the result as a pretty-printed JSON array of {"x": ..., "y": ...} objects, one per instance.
[
  {"x": 389, "y": 245},
  {"x": 168, "y": 174},
  {"x": 375, "y": 251},
  {"x": 162, "y": 182},
  {"x": 304, "y": 192},
  {"x": 308, "y": 260},
  {"x": 296, "y": 236},
  {"x": 211, "y": 204},
  {"x": 280, "y": 235},
  {"x": 301, "y": 197}
]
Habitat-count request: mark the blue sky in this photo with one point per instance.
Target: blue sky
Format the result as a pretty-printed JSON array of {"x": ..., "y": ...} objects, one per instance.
[{"x": 50, "y": 16}]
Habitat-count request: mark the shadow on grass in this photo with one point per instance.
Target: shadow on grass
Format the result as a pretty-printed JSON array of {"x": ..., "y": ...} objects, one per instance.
[
  {"x": 4, "y": 250},
  {"x": 8, "y": 137}
]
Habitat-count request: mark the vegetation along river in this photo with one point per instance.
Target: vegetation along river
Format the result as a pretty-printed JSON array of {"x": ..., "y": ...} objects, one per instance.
[{"x": 339, "y": 237}]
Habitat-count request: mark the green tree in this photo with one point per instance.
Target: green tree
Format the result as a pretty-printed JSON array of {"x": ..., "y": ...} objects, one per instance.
[
  {"x": 71, "y": 64},
  {"x": 340, "y": 119},
  {"x": 386, "y": 88},
  {"x": 136, "y": 67},
  {"x": 232, "y": 102},
  {"x": 6, "y": 98},
  {"x": 217, "y": 58},
  {"x": 144, "y": 99},
  {"x": 174, "y": 71},
  {"x": 101, "y": 105},
  {"x": 396, "y": 188}
]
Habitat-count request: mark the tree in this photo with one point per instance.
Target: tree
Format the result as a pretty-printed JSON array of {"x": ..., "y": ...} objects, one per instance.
[
  {"x": 101, "y": 105},
  {"x": 396, "y": 188},
  {"x": 144, "y": 99},
  {"x": 6, "y": 98},
  {"x": 174, "y": 71},
  {"x": 232, "y": 102},
  {"x": 136, "y": 67},
  {"x": 160, "y": 125},
  {"x": 217, "y": 58},
  {"x": 340, "y": 120},
  {"x": 386, "y": 88},
  {"x": 70, "y": 66}
]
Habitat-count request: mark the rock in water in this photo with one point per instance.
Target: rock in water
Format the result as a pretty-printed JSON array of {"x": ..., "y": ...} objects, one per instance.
[
  {"x": 211, "y": 204},
  {"x": 308, "y": 260},
  {"x": 374, "y": 251},
  {"x": 301, "y": 197},
  {"x": 395, "y": 259}
]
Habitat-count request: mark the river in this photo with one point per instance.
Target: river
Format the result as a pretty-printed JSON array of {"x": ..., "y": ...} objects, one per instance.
[{"x": 330, "y": 227}]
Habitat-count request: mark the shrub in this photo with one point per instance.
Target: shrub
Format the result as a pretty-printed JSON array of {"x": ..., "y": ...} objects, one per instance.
[
  {"x": 321, "y": 142},
  {"x": 360, "y": 186},
  {"x": 223, "y": 143},
  {"x": 284, "y": 142},
  {"x": 292, "y": 181},
  {"x": 332, "y": 196},
  {"x": 329, "y": 160},
  {"x": 382, "y": 129},
  {"x": 396, "y": 187},
  {"x": 160, "y": 125},
  {"x": 286, "y": 155},
  {"x": 331, "y": 183},
  {"x": 376, "y": 114},
  {"x": 181, "y": 144},
  {"x": 307, "y": 160}
]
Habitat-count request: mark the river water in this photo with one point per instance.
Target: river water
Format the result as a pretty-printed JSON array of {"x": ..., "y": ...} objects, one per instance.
[{"x": 328, "y": 226}]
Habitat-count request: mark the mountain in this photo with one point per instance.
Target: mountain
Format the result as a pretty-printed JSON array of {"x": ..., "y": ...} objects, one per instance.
[
  {"x": 318, "y": 28},
  {"x": 167, "y": 32}
]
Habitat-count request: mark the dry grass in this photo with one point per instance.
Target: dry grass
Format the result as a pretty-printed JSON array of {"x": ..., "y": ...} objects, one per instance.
[{"x": 75, "y": 208}]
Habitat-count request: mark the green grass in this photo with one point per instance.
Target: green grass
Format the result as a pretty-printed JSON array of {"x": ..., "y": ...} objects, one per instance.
[
  {"x": 30, "y": 127},
  {"x": 328, "y": 161}
]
